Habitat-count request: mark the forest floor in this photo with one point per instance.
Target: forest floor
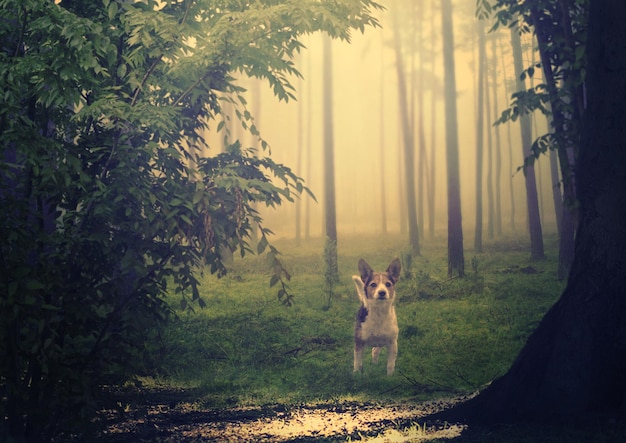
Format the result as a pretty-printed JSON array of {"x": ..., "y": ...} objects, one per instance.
[{"x": 170, "y": 416}]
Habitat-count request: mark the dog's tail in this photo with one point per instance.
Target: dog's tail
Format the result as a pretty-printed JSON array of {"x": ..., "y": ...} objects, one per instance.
[{"x": 360, "y": 287}]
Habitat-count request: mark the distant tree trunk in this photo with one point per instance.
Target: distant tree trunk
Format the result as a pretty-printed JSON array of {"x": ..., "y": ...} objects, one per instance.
[
  {"x": 556, "y": 190},
  {"x": 330, "y": 214},
  {"x": 480, "y": 128},
  {"x": 309, "y": 116},
  {"x": 498, "y": 145},
  {"x": 382, "y": 142},
  {"x": 421, "y": 137},
  {"x": 456, "y": 260},
  {"x": 408, "y": 142},
  {"x": 490, "y": 202},
  {"x": 573, "y": 364},
  {"x": 509, "y": 144},
  {"x": 300, "y": 154},
  {"x": 433, "y": 132},
  {"x": 532, "y": 199}
]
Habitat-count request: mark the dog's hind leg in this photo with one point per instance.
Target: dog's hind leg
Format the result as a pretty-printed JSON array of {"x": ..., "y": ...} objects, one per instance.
[
  {"x": 375, "y": 354},
  {"x": 392, "y": 353}
]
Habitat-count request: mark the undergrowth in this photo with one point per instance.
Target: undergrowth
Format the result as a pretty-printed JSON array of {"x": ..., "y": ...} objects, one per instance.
[{"x": 247, "y": 349}]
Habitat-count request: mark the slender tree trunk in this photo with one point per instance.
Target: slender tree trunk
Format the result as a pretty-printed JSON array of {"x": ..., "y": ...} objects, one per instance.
[
  {"x": 565, "y": 150},
  {"x": 490, "y": 202},
  {"x": 480, "y": 129},
  {"x": 421, "y": 137},
  {"x": 309, "y": 116},
  {"x": 556, "y": 191},
  {"x": 409, "y": 145},
  {"x": 300, "y": 154},
  {"x": 573, "y": 364},
  {"x": 510, "y": 146},
  {"x": 433, "y": 132},
  {"x": 498, "y": 144},
  {"x": 456, "y": 260},
  {"x": 382, "y": 141},
  {"x": 330, "y": 214},
  {"x": 532, "y": 200}
]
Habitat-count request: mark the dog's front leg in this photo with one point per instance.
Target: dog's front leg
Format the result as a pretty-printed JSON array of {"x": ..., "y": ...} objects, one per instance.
[
  {"x": 392, "y": 352},
  {"x": 358, "y": 357}
]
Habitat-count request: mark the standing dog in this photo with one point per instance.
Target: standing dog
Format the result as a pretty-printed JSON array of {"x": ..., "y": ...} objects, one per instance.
[{"x": 376, "y": 323}]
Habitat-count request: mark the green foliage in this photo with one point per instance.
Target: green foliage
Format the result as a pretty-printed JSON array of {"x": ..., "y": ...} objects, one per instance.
[
  {"x": 561, "y": 30},
  {"x": 108, "y": 201}
]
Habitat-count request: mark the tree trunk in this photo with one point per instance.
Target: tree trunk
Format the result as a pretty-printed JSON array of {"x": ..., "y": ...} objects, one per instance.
[
  {"x": 422, "y": 162},
  {"x": 532, "y": 199},
  {"x": 309, "y": 176},
  {"x": 382, "y": 142},
  {"x": 300, "y": 154},
  {"x": 509, "y": 145},
  {"x": 408, "y": 143},
  {"x": 565, "y": 148},
  {"x": 456, "y": 260},
  {"x": 490, "y": 202},
  {"x": 557, "y": 198},
  {"x": 498, "y": 143},
  {"x": 480, "y": 130},
  {"x": 433, "y": 133},
  {"x": 330, "y": 214},
  {"x": 574, "y": 363}
]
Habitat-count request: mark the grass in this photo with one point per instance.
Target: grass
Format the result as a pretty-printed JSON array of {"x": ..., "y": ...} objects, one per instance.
[{"x": 247, "y": 349}]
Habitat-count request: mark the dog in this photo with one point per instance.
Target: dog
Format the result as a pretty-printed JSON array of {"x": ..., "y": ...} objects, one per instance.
[{"x": 376, "y": 322}]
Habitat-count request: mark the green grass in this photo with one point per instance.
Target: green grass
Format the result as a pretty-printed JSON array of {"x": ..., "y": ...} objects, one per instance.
[{"x": 456, "y": 335}]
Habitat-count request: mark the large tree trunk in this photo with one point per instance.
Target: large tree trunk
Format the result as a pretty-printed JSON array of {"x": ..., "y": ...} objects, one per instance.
[
  {"x": 575, "y": 361},
  {"x": 456, "y": 260}
]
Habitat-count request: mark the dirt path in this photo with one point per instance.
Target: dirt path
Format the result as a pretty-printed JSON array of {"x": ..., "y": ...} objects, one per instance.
[{"x": 183, "y": 422}]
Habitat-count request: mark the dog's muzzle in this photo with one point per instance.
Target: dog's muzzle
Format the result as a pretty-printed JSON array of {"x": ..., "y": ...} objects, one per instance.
[{"x": 382, "y": 295}]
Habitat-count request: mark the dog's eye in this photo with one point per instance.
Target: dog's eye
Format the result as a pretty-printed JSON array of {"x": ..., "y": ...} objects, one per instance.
[
  {"x": 388, "y": 284},
  {"x": 372, "y": 284}
]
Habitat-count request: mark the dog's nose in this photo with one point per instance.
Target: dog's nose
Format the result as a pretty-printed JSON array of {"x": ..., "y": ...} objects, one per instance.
[{"x": 382, "y": 294}]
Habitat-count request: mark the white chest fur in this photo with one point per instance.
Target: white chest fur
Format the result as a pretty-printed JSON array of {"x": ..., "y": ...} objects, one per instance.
[{"x": 380, "y": 327}]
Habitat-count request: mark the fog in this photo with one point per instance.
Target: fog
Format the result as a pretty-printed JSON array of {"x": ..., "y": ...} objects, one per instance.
[{"x": 367, "y": 126}]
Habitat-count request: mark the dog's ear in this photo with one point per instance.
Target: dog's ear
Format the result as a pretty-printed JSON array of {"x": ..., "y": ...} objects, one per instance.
[
  {"x": 394, "y": 270},
  {"x": 365, "y": 270},
  {"x": 360, "y": 287}
]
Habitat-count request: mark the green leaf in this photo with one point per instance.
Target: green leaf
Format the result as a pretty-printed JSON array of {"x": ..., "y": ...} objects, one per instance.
[
  {"x": 112, "y": 10},
  {"x": 273, "y": 280}
]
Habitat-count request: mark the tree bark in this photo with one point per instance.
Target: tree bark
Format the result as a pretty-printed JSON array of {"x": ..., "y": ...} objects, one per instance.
[
  {"x": 456, "y": 260},
  {"x": 574, "y": 362}
]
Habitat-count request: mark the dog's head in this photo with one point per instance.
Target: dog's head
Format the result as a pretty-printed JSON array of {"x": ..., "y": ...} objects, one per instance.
[{"x": 377, "y": 285}]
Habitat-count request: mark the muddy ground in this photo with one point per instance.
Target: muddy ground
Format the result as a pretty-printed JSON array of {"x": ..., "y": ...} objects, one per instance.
[{"x": 171, "y": 417}]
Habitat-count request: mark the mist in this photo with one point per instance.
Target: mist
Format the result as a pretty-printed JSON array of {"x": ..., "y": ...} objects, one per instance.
[{"x": 368, "y": 144}]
